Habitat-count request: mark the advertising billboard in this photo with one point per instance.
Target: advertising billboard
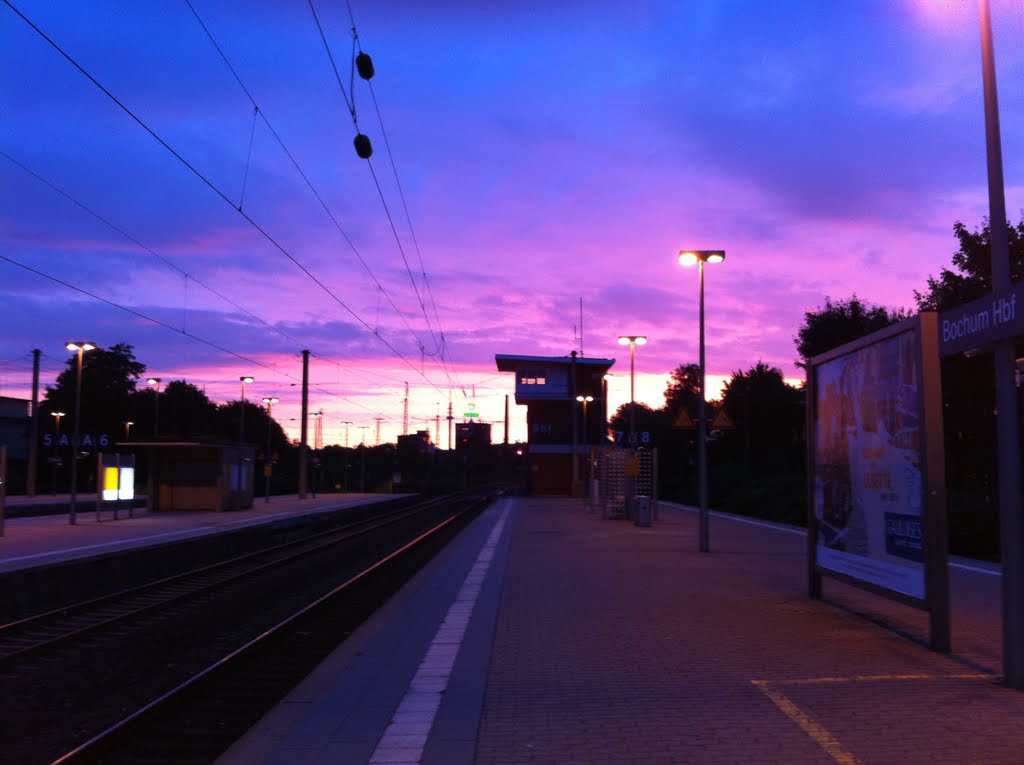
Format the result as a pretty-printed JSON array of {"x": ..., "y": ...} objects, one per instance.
[
  {"x": 867, "y": 481},
  {"x": 876, "y": 490}
]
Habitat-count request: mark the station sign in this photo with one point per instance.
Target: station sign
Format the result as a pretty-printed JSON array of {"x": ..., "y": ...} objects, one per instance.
[
  {"x": 85, "y": 441},
  {"x": 983, "y": 322}
]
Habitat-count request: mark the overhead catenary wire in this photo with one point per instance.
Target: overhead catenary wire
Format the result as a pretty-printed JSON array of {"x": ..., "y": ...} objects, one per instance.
[
  {"x": 438, "y": 350},
  {"x": 77, "y": 202},
  {"x": 143, "y": 246},
  {"x": 330, "y": 214},
  {"x": 405, "y": 206},
  {"x": 212, "y": 186},
  {"x": 350, "y": 105},
  {"x": 165, "y": 325}
]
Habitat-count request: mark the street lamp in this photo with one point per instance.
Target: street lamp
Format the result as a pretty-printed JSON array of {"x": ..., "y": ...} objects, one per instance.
[
  {"x": 269, "y": 401},
  {"x": 632, "y": 341},
  {"x": 156, "y": 404},
  {"x": 688, "y": 258},
  {"x": 79, "y": 347},
  {"x": 127, "y": 429},
  {"x": 56, "y": 443},
  {"x": 241, "y": 417}
]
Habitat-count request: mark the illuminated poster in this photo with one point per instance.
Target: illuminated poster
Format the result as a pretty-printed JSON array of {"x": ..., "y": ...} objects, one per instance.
[{"x": 867, "y": 484}]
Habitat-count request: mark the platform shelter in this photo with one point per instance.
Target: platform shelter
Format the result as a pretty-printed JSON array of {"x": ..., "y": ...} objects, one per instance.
[{"x": 198, "y": 475}]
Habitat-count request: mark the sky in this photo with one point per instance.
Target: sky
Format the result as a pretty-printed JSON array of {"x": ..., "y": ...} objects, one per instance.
[{"x": 181, "y": 176}]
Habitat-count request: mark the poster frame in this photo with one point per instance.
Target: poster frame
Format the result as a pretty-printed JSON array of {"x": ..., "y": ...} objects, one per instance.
[{"x": 924, "y": 327}]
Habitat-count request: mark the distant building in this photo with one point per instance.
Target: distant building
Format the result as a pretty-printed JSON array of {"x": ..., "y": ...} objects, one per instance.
[
  {"x": 14, "y": 422},
  {"x": 472, "y": 435},
  {"x": 556, "y": 421},
  {"x": 415, "y": 443},
  {"x": 415, "y": 454}
]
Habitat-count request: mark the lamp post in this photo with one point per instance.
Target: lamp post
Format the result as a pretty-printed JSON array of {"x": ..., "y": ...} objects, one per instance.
[
  {"x": 584, "y": 400},
  {"x": 56, "y": 444},
  {"x": 586, "y": 487},
  {"x": 79, "y": 347},
  {"x": 241, "y": 415},
  {"x": 155, "y": 381},
  {"x": 269, "y": 401},
  {"x": 128, "y": 429},
  {"x": 632, "y": 341},
  {"x": 688, "y": 258},
  {"x": 1011, "y": 515}
]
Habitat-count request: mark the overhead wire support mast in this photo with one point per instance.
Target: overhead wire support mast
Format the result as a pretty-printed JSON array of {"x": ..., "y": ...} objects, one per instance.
[{"x": 213, "y": 187}]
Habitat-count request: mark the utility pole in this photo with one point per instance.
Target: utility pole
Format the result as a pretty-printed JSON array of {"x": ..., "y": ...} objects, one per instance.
[
  {"x": 450, "y": 418},
  {"x": 506, "y": 419},
  {"x": 379, "y": 420},
  {"x": 33, "y": 429},
  {"x": 304, "y": 428},
  {"x": 346, "y": 423},
  {"x": 362, "y": 453}
]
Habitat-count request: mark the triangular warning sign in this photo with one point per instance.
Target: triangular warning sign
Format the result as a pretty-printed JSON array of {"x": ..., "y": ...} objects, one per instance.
[
  {"x": 722, "y": 421},
  {"x": 683, "y": 420}
]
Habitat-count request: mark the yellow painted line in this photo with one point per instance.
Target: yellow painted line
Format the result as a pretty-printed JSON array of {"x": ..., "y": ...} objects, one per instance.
[
  {"x": 818, "y": 732},
  {"x": 874, "y": 679},
  {"x": 821, "y": 737}
]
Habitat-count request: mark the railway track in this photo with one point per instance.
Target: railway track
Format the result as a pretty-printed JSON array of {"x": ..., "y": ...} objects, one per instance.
[
  {"x": 207, "y": 652},
  {"x": 47, "y": 631}
]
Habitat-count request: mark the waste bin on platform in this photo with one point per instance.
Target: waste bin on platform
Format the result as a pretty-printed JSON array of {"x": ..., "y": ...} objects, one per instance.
[{"x": 642, "y": 513}]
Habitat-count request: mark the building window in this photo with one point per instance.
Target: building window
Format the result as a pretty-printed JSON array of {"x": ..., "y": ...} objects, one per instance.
[{"x": 533, "y": 377}]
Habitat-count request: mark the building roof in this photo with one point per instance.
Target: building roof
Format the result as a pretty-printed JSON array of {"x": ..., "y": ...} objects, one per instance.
[{"x": 510, "y": 362}]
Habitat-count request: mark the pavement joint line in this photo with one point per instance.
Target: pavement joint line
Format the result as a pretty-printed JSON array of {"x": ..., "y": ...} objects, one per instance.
[
  {"x": 401, "y": 742},
  {"x": 818, "y": 733}
]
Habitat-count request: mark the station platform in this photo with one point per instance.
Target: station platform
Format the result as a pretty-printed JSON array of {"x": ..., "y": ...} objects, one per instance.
[
  {"x": 545, "y": 634},
  {"x": 35, "y": 541}
]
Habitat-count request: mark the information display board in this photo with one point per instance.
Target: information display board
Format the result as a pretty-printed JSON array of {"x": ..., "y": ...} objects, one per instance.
[{"x": 876, "y": 473}]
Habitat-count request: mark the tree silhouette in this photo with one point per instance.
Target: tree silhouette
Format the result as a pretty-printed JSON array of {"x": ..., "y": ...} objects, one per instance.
[
  {"x": 840, "y": 322},
  {"x": 971, "y": 276}
]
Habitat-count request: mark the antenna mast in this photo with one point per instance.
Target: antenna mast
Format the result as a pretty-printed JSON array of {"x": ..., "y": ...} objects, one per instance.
[{"x": 581, "y": 326}]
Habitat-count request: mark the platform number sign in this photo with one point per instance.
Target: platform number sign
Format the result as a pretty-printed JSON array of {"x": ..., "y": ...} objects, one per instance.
[{"x": 643, "y": 438}]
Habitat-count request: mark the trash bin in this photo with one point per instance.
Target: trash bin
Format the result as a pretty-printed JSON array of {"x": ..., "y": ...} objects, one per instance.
[{"x": 642, "y": 513}]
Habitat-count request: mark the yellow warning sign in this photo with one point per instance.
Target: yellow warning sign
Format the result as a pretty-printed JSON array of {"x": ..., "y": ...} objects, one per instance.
[
  {"x": 722, "y": 421},
  {"x": 683, "y": 420}
]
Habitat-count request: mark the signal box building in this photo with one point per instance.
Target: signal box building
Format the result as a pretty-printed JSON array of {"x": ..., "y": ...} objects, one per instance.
[{"x": 558, "y": 425}]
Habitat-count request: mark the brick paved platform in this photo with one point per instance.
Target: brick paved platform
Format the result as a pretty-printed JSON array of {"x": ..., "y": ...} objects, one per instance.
[
  {"x": 33, "y": 542},
  {"x": 594, "y": 641}
]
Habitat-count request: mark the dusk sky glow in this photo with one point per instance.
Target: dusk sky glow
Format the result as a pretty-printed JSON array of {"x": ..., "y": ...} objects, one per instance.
[{"x": 547, "y": 153}]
